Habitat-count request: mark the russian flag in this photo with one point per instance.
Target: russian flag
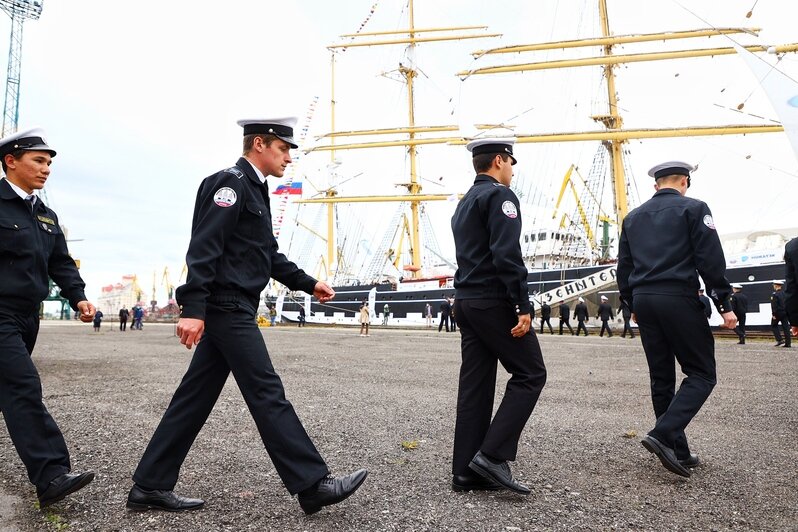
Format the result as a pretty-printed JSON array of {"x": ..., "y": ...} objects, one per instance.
[{"x": 294, "y": 188}]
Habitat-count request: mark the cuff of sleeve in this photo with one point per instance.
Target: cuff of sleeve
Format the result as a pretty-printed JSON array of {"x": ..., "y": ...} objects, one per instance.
[
  {"x": 194, "y": 310},
  {"x": 522, "y": 308},
  {"x": 308, "y": 285},
  {"x": 725, "y": 306},
  {"x": 75, "y": 299}
]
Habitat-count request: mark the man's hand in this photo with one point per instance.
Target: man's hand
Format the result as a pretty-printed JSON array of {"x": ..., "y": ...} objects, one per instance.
[
  {"x": 794, "y": 330},
  {"x": 87, "y": 311},
  {"x": 323, "y": 292},
  {"x": 190, "y": 331},
  {"x": 524, "y": 323},
  {"x": 729, "y": 320},
  {"x": 634, "y": 317}
]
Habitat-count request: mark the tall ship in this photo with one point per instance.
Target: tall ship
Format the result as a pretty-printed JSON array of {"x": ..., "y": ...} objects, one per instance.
[{"x": 575, "y": 180}]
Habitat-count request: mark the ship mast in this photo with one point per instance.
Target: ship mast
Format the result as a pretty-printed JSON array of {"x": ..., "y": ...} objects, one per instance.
[
  {"x": 615, "y": 135},
  {"x": 408, "y": 73}
]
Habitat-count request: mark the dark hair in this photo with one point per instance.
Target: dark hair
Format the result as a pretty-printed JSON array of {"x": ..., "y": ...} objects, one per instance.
[
  {"x": 484, "y": 161},
  {"x": 249, "y": 140},
  {"x": 16, "y": 154}
]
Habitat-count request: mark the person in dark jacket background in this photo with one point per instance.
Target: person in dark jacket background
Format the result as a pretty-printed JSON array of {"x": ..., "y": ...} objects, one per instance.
[
  {"x": 778, "y": 309},
  {"x": 581, "y": 314},
  {"x": 545, "y": 317},
  {"x": 565, "y": 317},
  {"x": 791, "y": 286},
  {"x": 739, "y": 302},
  {"x": 605, "y": 314},
  {"x": 626, "y": 312}
]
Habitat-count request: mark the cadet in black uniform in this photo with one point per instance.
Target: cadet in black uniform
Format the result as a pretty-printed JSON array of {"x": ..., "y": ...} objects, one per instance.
[
  {"x": 32, "y": 248},
  {"x": 605, "y": 313},
  {"x": 545, "y": 316},
  {"x": 581, "y": 314},
  {"x": 492, "y": 307},
  {"x": 778, "y": 308},
  {"x": 232, "y": 255},
  {"x": 626, "y": 312},
  {"x": 791, "y": 287},
  {"x": 565, "y": 317},
  {"x": 706, "y": 302},
  {"x": 739, "y": 303},
  {"x": 665, "y": 244}
]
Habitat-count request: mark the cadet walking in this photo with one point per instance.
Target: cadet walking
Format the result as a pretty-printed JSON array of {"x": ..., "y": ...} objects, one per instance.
[
  {"x": 605, "y": 314},
  {"x": 791, "y": 288},
  {"x": 581, "y": 314},
  {"x": 492, "y": 307},
  {"x": 665, "y": 244},
  {"x": 231, "y": 257},
  {"x": 565, "y": 317},
  {"x": 739, "y": 303},
  {"x": 626, "y": 313},
  {"x": 545, "y": 317},
  {"x": 33, "y": 248},
  {"x": 778, "y": 309}
]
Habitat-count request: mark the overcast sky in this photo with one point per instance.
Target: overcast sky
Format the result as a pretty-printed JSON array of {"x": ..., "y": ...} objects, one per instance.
[{"x": 140, "y": 100}]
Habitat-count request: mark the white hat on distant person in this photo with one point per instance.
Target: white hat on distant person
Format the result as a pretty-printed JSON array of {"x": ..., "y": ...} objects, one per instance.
[
  {"x": 778, "y": 282},
  {"x": 737, "y": 285},
  {"x": 282, "y": 128},
  {"x": 581, "y": 300},
  {"x": 604, "y": 298}
]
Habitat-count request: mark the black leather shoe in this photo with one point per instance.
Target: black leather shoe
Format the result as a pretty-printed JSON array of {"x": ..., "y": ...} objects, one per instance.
[
  {"x": 787, "y": 345},
  {"x": 690, "y": 462},
  {"x": 666, "y": 455},
  {"x": 63, "y": 485},
  {"x": 499, "y": 473},
  {"x": 330, "y": 490},
  {"x": 741, "y": 342},
  {"x": 778, "y": 343},
  {"x": 140, "y": 499},
  {"x": 473, "y": 482}
]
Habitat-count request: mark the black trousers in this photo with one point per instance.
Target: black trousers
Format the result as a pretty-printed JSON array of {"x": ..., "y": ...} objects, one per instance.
[
  {"x": 785, "y": 327},
  {"x": 485, "y": 341},
  {"x": 605, "y": 326},
  {"x": 34, "y": 433},
  {"x": 740, "y": 329},
  {"x": 567, "y": 323},
  {"x": 231, "y": 342},
  {"x": 122, "y": 324},
  {"x": 444, "y": 319},
  {"x": 580, "y": 326},
  {"x": 547, "y": 322},
  {"x": 675, "y": 328},
  {"x": 627, "y": 327}
]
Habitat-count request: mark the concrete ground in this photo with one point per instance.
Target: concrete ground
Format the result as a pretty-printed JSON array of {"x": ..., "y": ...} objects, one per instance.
[{"x": 361, "y": 399}]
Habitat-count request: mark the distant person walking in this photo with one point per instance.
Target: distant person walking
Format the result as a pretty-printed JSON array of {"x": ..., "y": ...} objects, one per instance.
[
  {"x": 565, "y": 317},
  {"x": 739, "y": 303},
  {"x": 272, "y": 315},
  {"x": 386, "y": 313},
  {"x": 778, "y": 309},
  {"x": 626, "y": 313},
  {"x": 545, "y": 317},
  {"x": 605, "y": 314},
  {"x": 452, "y": 316},
  {"x": 301, "y": 316},
  {"x": 365, "y": 318},
  {"x": 138, "y": 317},
  {"x": 33, "y": 248},
  {"x": 446, "y": 310},
  {"x": 428, "y": 315},
  {"x": 124, "y": 314},
  {"x": 98, "y": 319},
  {"x": 581, "y": 314}
]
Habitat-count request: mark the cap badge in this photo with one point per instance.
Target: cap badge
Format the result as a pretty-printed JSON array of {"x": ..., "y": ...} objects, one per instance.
[
  {"x": 509, "y": 210},
  {"x": 225, "y": 197}
]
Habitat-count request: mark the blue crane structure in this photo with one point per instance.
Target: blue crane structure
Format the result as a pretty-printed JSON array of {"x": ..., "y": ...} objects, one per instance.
[{"x": 19, "y": 11}]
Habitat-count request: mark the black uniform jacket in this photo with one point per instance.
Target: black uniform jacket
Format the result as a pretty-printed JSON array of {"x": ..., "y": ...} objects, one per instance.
[
  {"x": 565, "y": 312},
  {"x": 605, "y": 312},
  {"x": 791, "y": 280},
  {"x": 580, "y": 311},
  {"x": 545, "y": 311},
  {"x": 778, "y": 306},
  {"x": 739, "y": 303},
  {"x": 487, "y": 231},
  {"x": 233, "y": 251},
  {"x": 666, "y": 243},
  {"x": 32, "y": 247}
]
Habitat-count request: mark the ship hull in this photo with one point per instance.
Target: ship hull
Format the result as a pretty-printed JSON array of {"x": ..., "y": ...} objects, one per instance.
[{"x": 407, "y": 305}]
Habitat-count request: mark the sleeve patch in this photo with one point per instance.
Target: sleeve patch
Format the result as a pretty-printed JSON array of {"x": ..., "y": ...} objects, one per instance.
[
  {"x": 225, "y": 197},
  {"x": 709, "y": 222},
  {"x": 509, "y": 209}
]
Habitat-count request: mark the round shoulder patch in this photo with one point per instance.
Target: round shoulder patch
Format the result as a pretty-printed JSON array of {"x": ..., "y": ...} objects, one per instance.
[
  {"x": 225, "y": 197},
  {"x": 509, "y": 210},
  {"x": 709, "y": 222}
]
